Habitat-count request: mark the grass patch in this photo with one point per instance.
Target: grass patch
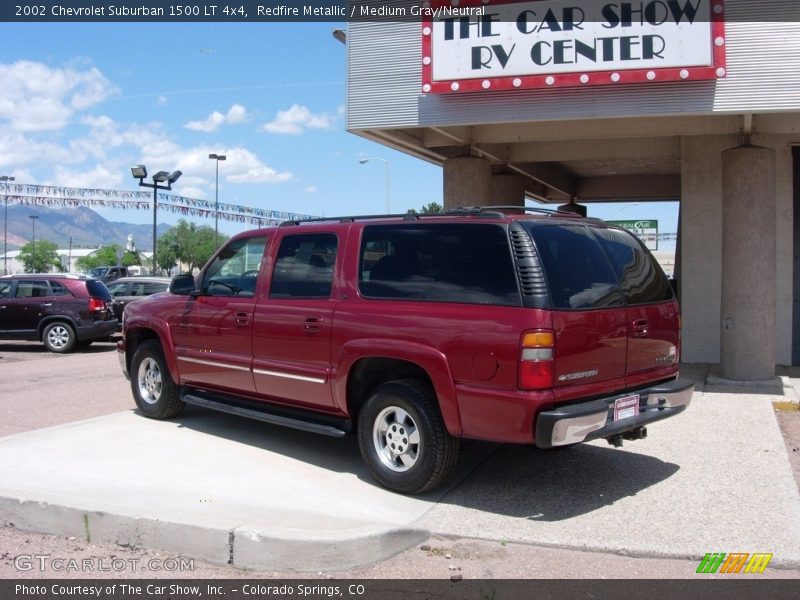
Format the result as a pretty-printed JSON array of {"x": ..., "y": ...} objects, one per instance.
[{"x": 784, "y": 406}]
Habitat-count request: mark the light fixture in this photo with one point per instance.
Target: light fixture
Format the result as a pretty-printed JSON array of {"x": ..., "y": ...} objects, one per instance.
[
  {"x": 217, "y": 158},
  {"x": 140, "y": 172},
  {"x": 5, "y": 179}
]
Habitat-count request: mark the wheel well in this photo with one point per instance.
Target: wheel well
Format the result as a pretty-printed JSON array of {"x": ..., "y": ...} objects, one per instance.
[
  {"x": 56, "y": 319},
  {"x": 369, "y": 373},
  {"x": 134, "y": 339}
]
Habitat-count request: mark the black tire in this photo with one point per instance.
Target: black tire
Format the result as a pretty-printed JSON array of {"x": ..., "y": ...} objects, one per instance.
[
  {"x": 59, "y": 337},
  {"x": 156, "y": 394},
  {"x": 395, "y": 415}
]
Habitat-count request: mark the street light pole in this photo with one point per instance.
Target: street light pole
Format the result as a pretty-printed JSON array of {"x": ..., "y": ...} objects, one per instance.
[
  {"x": 217, "y": 158},
  {"x": 386, "y": 168},
  {"x": 5, "y": 179},
  {"x": 140, "y": 172},
  {"x": 33, "y": 242}
]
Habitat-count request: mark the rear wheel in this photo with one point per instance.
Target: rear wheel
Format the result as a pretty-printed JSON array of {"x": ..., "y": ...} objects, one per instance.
[
  {"x": 59, "y": 337},
  {"x": 403, "y": 438},
  {"x": 156, "y": 394}
]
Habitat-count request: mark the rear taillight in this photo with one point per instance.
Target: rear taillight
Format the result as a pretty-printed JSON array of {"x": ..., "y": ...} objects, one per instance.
[
  {"x": 536, "y": 360},
  {"x": 96, "y": 304}
]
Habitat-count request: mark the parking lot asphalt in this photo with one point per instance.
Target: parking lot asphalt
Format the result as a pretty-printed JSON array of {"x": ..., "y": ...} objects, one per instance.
[{"x": 231, "y": 491}]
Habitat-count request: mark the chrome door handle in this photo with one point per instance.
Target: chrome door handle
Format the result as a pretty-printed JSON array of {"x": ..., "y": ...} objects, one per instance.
[
  {"x": 640, "y": 328},
  {"x": 312, "y": 323},
  {"x": 46, "y": 304}
]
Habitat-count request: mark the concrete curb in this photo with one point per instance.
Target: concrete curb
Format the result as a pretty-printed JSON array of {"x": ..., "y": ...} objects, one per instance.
[{"x": 248, "y": 546}]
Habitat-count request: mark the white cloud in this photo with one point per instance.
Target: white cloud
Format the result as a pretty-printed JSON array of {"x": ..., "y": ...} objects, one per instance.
[
  {"x": 191, "y": 191},
  {"x": 162, "y": 101},
  {"x": 98, "y": 177},
  {"x": 36, "y": 97},
  {"x": 236, "y": 114},
  {"x": 240, "y": 166},
  {"x": 297, "y": 119},
  {"x": 18, "y": 150},
  {"x": 312, "y": 189}
]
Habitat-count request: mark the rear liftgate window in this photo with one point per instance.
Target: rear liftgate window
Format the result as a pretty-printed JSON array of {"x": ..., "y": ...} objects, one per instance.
[
  {"x": 440, "y": 263},
  {"x": 578, "y": 273}
]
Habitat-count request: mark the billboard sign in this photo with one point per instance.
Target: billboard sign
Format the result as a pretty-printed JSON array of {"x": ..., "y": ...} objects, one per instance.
[
  {"x": 646, "y": 230},
  {"x": 479, "y": 45}
]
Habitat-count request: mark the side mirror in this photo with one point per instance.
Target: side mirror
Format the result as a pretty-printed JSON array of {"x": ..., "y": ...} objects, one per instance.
[{"x": 182, "y": 285}]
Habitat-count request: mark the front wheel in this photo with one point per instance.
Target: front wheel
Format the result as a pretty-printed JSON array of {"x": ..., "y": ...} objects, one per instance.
[
  {"x": 403, "y": 438},
  {"x": 156, "y": 394}
]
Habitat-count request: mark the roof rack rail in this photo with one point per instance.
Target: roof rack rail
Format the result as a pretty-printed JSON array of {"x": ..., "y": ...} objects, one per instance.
[
  {"x": 483, "y": 211},
  {"x": 502, "y": 210},
  {"x": 346, "y": 219}
]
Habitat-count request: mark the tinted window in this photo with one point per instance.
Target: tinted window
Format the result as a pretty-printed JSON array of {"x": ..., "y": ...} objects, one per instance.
[
  {"x": 154, "y": 288},
  {"x": 118, "y": 289},
  {"x": 234, "y": 270},
  {"x": 59, "y": 289},
  {"x": 641, "y": 278},
  {"x": 98, "y": 271},
  {"x": 442, "y": 262},
  {"x": 578, "y": 273},
  {"x": 97, "y": 289},
  {"x": 304, "y": 267},
  {"x": 5, "y": 289},
  {"x": 32, "y": 289}
]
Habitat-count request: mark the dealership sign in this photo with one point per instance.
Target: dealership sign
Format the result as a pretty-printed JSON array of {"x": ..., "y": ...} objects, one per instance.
[
  {"x": 482, "y": 45},
  {"x": 645, "y": 229}
]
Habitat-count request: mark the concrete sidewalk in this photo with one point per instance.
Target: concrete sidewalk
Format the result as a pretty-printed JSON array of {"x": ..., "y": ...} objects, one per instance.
[
  {"x": 713, "y": 479},
  {"x": 231, "y": 491}
]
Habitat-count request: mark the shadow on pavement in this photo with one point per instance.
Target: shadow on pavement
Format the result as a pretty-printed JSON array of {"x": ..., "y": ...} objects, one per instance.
[
  {"x": 511, "y": 480},
  {"x": 524, "y": 482}
]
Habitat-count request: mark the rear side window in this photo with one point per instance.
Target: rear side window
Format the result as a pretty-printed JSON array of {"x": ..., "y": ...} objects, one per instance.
[
  {"x": 5, "y": 289},
  {"x": 97, "y": 289},
  {"x": 641, "y": 278},
  {"x": 578, "y": 273},
  {"x": 465, "y": 263},
  {"x": 304, "y": 266},
  {"x": 59, "y": 289},
  {"x": 155, "y": 288}
]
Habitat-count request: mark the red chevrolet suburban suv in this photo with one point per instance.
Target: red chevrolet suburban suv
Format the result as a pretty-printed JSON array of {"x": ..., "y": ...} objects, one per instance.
[{"x": 413, "y": 332}]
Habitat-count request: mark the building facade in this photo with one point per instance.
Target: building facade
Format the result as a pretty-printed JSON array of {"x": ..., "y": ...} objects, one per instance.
[{"x": 718, "y": 136}]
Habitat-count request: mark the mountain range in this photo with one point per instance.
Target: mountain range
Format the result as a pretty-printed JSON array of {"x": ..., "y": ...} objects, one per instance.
[{"x": 86, "y": 228}]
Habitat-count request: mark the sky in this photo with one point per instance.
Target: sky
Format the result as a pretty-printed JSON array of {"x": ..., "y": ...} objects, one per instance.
[{"x": 82, "y": 102}]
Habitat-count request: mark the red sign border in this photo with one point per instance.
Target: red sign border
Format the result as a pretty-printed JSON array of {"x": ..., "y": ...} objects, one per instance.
[{"x": 717, "y": 70}]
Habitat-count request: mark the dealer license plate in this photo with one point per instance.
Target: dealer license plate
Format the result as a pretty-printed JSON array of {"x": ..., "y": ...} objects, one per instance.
[{"x": 627, "y": 407}]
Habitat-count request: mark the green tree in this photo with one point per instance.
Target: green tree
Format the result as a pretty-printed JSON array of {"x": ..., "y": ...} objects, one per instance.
[
  {"x": 44, "y": 259},
  {"x": 107, "y": 256},
  {"x": 431, "y": 208},
  {"x": 187, "y": 243}
]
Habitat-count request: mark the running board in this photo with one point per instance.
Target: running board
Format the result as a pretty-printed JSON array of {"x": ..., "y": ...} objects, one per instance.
[{"x": 264, "y": 415}]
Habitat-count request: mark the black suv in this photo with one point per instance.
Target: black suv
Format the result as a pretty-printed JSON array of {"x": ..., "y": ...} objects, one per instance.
[
  {"x": 60, "y": 310},
  {"x": 108, "y": 274}
]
